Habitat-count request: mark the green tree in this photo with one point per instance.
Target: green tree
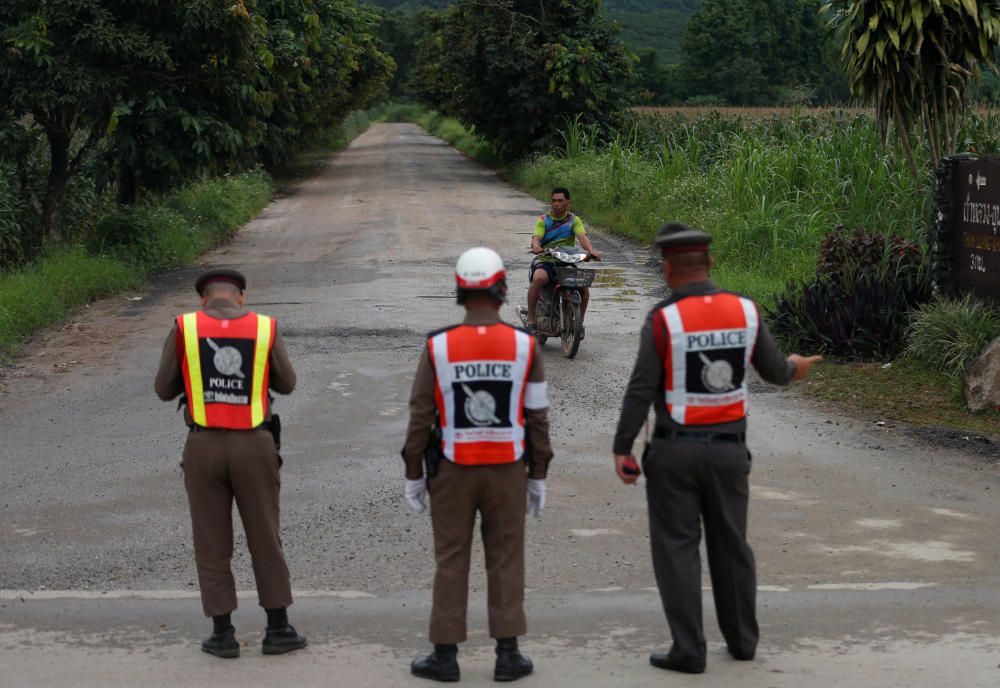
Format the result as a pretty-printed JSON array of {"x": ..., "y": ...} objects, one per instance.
[
  {"x": 748, "y": 52},
  {"x": 320, "y": 60},
  {"x": 917, "y": 62},
  {"x": 516, "y": 70},
  {"x": 64, "y": 64},
  {"x": 166, "y": 90}
]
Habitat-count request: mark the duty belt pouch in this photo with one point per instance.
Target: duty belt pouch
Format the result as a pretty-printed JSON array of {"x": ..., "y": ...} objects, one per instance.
[
  {"x": 645, "y": 445},
  {"x": 432, "y": 455},
  {"x": 275, "y": 428}
]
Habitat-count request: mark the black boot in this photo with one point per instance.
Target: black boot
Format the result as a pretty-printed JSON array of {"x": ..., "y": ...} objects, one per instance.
[
  {"x": 511, "y": 664},
  {"x": 281, "y": 639},
  {"x": 222, "y": 643},
  {"x": 440, "y": 665}
]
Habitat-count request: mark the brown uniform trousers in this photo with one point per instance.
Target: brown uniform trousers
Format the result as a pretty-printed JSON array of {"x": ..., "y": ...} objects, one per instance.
[
  {"x": 220, "y": 466},
  {"x": 499, "y": 494}
]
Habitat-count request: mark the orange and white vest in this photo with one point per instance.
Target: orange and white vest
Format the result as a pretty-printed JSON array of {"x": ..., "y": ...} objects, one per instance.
[
  {"x": 482, "y": 390},
  {"x": 709, "y": 344},
  {"x": 225, "y": 368}
]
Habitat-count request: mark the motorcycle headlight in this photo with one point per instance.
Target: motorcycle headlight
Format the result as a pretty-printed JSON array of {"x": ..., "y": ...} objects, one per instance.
[{"x": 568, "y": 257}]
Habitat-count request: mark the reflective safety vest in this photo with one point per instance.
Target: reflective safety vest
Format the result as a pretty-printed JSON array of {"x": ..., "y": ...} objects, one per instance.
[
  {"x": 482, "y": 390},
  {"x": 709, "y": 345},
  {"x": 225, "y": 368}
]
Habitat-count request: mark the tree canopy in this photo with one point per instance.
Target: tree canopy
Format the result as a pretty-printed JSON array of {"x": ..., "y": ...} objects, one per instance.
[
  {"x": 153, "y": 92},
  {"x": 917, "y": 62},
  {"x": 516, "y": 70}
]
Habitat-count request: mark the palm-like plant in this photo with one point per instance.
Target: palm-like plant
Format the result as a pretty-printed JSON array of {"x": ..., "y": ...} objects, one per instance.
[{"x": 915, "y": 60}]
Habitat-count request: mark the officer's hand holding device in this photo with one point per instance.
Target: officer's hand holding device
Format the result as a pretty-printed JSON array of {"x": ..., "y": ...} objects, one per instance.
[
  {"x": 536, "y": 497},
  {"x": 416, "y": 494},
  {"x": 627, "y": 469}
]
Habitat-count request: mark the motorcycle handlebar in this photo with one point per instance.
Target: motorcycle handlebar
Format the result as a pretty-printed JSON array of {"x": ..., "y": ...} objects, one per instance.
[{"x": 551, "y": 251}]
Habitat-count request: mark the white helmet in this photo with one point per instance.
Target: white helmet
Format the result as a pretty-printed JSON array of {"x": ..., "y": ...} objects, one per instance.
[{"x": 480, "y": 269}]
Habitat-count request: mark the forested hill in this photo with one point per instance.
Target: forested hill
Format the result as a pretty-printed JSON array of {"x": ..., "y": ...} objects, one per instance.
[
  {"x": 646, "y": 24},
  {"x": 653, "y": 24}
]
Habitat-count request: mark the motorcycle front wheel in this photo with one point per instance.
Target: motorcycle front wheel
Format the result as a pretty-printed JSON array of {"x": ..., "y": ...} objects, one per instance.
[{"x": 571, "y": 326}]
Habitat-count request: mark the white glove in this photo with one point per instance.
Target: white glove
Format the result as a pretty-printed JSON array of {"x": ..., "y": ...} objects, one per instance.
[
  {"x": 536, "y": 497},
  {"x": 416, "y": 494}
]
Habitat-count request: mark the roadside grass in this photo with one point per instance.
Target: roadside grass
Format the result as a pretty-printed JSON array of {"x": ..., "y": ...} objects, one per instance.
[
  {"x": 47, "y": 291},
  {"x": 905, "y": 392},
  {"x": 123, "y": 247}
]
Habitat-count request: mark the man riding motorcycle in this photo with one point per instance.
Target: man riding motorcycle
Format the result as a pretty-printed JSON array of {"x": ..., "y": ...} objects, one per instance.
[{"x": 556, "y": 228}]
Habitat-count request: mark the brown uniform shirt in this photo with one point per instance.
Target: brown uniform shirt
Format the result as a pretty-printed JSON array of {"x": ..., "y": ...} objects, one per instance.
[
  {"x": 646, "y": 384},
  {"x": 423, "y": 410},
  {"x": 170, "y": 382}
]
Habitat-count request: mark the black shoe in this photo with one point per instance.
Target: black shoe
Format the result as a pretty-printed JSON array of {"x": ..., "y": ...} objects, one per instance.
[
  {"x": 511, "y": 666},
  {"x": 685, "y": 665},
  {"x": 281, "y": 639},
  {"x": 740, "y": 656},
  {"x": 530, "y": 328},
  {"x": 437, "y": 666},
  {"x": 222, "y": 644}
]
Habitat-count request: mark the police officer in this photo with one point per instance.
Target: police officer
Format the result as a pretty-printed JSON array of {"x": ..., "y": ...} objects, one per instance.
[
  {"x": 694, "y": 354},
  {"x": 483, "y": 384},
  {"x": 223, "y": 359}
]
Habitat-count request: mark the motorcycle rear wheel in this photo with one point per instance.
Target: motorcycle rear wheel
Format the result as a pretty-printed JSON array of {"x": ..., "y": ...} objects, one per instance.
[{"x": 571, "y": 326}]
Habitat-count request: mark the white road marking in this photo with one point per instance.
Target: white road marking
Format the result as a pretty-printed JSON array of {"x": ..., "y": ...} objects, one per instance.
[
  {"x": 871, "y": 586},
  {"x": 953, "y": 514},
  {"x": 591, "y": 532},
  {"x": 879, "y": 523},
  {"x": 162, "y": 594},
  {"x": 779, "y": 496},
  {"x": 932, "y": 550}
]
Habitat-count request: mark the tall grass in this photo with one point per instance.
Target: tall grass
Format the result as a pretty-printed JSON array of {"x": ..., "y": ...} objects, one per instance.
[{"x": 768, "y": 189}]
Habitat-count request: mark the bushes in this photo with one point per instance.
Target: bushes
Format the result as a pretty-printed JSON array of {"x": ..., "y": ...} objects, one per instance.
[
  {"x": 946, "y": 333},
  {"x": 123, "y": 248},
  {"x": 858, "y": 304},
  {"x": 184, "y": 224}
]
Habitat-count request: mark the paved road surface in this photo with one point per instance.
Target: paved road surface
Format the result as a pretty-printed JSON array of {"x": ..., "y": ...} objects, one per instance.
[{"x": 878, "y": 554}]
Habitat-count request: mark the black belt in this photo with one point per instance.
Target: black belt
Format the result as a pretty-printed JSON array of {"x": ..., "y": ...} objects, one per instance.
[
  {"x": 266, "y": 425},
  {"x": 695, "y": 436}
]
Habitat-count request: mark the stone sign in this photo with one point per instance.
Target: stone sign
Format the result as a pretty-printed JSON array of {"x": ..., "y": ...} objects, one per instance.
[{"x": 976, "y": 226}]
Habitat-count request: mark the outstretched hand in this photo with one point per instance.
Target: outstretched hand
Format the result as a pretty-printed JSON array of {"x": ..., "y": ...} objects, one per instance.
[{"x": 803, "y": 364}]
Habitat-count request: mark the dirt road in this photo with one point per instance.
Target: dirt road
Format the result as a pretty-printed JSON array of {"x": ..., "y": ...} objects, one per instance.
[{"x": 877, "y": 554}]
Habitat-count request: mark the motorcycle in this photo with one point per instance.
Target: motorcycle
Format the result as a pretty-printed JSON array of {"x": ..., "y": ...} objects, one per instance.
[{"x": 558, "y": 313}]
